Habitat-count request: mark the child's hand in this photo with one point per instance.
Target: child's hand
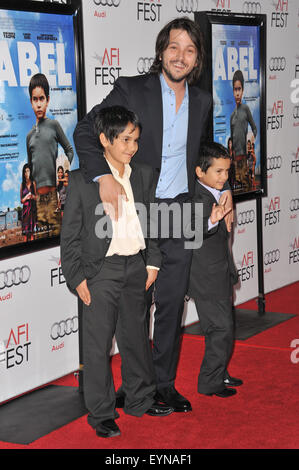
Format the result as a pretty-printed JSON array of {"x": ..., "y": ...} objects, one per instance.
[
  {"x": 84, "y": 292},
  {"x": 219, "y": 211},
  {"x": 227, "y": 201},
  {"x": 151, "y": 277}
]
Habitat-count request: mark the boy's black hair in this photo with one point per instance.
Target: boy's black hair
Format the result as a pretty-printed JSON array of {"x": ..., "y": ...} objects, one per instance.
[
  {"x": 238, "y": 75},
  {"x": 208, "y": 151},
  {"x": 113, "y": 120},
  {"x": 39, "y": 80}
]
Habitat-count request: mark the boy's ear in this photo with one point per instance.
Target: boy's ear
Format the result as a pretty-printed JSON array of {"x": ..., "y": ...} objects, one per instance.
[
  {"x": 199, "y": 172},
  {"x": 103, "y": 139}
]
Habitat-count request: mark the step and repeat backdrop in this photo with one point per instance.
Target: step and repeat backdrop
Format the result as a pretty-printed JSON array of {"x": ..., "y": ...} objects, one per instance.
[{"x": 39, "y": 316}]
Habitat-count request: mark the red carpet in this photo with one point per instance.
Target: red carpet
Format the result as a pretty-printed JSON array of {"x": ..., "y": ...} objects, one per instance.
[{"x": 263, "y": 415}]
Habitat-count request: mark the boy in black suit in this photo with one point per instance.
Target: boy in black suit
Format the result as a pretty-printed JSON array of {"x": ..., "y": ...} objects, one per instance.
[
  {"x": 213, "y": 273},
  {"x": 110, "y": 269}
]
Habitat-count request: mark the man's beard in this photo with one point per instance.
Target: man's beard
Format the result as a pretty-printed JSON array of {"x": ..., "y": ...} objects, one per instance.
[{"x": 171, "y": 77}]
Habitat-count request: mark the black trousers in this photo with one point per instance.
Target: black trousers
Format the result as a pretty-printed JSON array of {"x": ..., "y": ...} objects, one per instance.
[
  {"x": 216, "y": 322},
  {"x": 117, "y": 298},
  {"x": 170, "y": 289}
]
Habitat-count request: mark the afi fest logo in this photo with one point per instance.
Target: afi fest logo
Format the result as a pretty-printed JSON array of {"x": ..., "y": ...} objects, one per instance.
[
  {"x": 294, "y": 252},
  {"x": 245, "y": 272},
  {"x": 222, "y": 5},
  {"x": 272, "y": 216},
  {"x": 14, "y": 351},
  {"x": 279, "y": 17},
  {"x": 295, "y": 162},
  {"x": 109, "y": 70},
  {"x": 56, "y": 275},
  {"x": 274, "y": 121},
  {"x": 149, "y": 10}
]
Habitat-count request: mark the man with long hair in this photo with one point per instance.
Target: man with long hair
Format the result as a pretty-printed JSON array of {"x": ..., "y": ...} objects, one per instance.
[{"x": 174, "y": 114}]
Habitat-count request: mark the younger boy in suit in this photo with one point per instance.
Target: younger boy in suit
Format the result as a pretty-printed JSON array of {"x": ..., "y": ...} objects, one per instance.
[
  {"x": 213, "y": 273},
  {"x": 111, "y": 270}
]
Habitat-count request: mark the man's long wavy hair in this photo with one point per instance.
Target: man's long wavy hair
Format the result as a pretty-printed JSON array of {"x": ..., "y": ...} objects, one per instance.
[{"x": 162, "y": 42}]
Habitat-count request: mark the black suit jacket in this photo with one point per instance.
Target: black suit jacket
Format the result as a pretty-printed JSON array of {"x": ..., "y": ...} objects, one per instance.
[
  {"x": 142, "y": 94},
  {"x": 82, "y": 251},
  {"x": 213, "y": 272}
]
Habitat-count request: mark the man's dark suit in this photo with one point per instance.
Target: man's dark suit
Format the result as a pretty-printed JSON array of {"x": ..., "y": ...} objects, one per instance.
[
  {"x": 212, "y": 276},
  {"x": 117, "y": 288},
  {"x": 142, "y": 94}
]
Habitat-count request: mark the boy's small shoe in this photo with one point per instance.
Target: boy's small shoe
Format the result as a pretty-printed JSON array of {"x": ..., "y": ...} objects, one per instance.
[
  {"x": 107, "y": 428},
  {"x": 225, "y": 393}
]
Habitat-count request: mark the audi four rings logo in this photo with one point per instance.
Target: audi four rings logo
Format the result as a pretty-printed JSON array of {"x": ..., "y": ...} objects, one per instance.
[
  {"x": 277, "y": 64},
  {"x": 272, "y": 257},
  {"x": 252, "y": 7},
  {"x": 14, "y": 277},
  {"x": 294, "y": 205},
  {"x": 246, "y": 217},
  {"x": 107, "y": 3},
  {"x": 187, "y": 6},
  {"x": 273, "y": 163},
  {"x": 64, "y": 327},
  {"x": 144, "y": 64}
]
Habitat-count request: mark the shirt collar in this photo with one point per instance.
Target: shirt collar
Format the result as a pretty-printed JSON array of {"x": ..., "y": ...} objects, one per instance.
[
  {"x": 216, "y": 193},
  {"x": 166, "y": 88},
  {"x": 115, "y": 173}
]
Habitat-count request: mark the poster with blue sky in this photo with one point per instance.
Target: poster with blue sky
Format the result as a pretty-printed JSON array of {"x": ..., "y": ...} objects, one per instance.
[
  {"x": 236, "y": 48},
  {"x": 32, "y": 43}
]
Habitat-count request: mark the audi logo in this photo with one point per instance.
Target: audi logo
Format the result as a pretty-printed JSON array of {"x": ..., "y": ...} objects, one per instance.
[
  {"x": 187, "y": 6},
  {"x": 294, "y": 205},
  {"x": 277, "y": 64},
  {"x": 107, "y": 3},
  {"x": 273, "y": 163},
  {"x": 296, "y": 112},
  {"x": 14, "y": 277},
  {"x": 64, "y": 327},
  {"x": 272, "y": 257},
  {"x": 144, "y": 64},
  {"x": 252, "y": 7},
  {"x": 246, "y": 217}
]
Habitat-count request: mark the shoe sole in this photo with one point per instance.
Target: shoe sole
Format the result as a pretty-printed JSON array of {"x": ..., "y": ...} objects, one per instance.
[
  {"x": 113, "y": 434},
  {"x": 160, "y": 415}
]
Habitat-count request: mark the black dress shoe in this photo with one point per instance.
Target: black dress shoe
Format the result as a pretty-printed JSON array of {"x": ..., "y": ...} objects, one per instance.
[
  {"x": 225, "y": 393},
  {"x": 159, "y": 409},
  {"x": 232, "y": 382},
  {"x": 171, "y": 397},
  {"x": 107, "y": 428}
]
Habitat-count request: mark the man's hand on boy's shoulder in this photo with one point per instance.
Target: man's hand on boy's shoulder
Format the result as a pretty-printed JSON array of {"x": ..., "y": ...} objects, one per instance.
[{"x": 84, "y": 292}]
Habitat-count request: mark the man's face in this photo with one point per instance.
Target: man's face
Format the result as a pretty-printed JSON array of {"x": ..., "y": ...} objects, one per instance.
[
  {"x": 216, "y": 175},
  {"x": 238, "y": 92},
  {"x": 180, "y": 56},
  {"x": 39, "y": 102}
]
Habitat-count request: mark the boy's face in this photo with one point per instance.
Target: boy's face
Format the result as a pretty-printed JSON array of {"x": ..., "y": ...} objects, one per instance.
[
  {"x": 123, "y": 147},
  {"x": 39, "y": 102},
  {"x": 238, "y": 92},
  {"x": 180, "y": 56},
  {"x": 216, "y": 175}
]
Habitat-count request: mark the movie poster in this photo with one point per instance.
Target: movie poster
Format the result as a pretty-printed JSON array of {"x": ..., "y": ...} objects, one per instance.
[
  {"x": 36, "y": 127},
  {"x": 237, "y": 101}
]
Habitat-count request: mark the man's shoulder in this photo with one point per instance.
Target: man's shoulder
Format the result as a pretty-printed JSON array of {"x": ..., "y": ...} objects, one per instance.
[
  {"x": 136, "y": 81},
  {"x": 198, "y": 92}
]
